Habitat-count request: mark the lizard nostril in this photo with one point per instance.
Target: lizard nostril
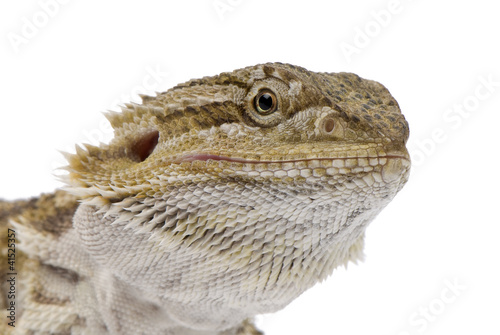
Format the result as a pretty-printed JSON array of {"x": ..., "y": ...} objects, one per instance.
[{"x": 328, "y": 125}]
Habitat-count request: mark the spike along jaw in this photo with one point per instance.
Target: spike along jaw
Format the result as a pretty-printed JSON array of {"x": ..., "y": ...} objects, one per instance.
[{"x": 102, "y": 175}]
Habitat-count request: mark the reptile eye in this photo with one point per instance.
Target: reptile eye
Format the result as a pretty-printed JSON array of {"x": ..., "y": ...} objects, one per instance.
[
  {"x": 264, "y": 107},
  {"x": 266, "y": 102}
]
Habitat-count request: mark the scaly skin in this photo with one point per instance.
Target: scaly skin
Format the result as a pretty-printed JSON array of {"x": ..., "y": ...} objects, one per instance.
[{"x": 222, "y": 198}]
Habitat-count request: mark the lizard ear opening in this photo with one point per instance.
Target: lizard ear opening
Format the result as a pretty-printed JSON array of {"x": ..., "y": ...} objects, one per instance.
[{"x": 145, "y": 145}]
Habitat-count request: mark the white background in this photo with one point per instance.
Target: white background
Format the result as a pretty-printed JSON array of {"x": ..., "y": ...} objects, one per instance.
[{"x": 441, "y": 231}]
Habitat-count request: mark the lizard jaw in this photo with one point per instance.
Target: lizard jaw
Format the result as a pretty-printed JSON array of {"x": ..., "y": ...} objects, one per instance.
[
  {"x": 396, "y": 164},
  {"x": 205, "y": 157}
]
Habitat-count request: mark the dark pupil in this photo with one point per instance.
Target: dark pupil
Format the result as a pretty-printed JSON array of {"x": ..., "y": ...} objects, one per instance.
[{"x": 265, "y": 102}]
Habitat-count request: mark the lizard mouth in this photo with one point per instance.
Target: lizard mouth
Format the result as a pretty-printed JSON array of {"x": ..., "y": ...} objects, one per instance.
[
  {"x": 393, "y": 165},
  {"x": 207, "y": 157}
]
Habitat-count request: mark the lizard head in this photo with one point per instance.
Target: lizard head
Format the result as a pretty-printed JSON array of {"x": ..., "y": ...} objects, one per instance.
[
  {"x": 264, "y": 118},
  {"x": 266, "y": 173}
]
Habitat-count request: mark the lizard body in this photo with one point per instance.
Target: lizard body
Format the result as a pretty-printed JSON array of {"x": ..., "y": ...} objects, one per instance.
[{"x": 219, "y": 199}]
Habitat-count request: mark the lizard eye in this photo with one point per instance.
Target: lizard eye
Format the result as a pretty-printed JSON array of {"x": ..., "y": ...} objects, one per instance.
[
  {"x": 265, "y": 107},
  {"x": 266, "y": 102}
]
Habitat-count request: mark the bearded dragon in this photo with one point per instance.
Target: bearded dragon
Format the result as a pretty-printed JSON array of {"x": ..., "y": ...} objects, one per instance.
[{"x": 220, "y": 199}]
